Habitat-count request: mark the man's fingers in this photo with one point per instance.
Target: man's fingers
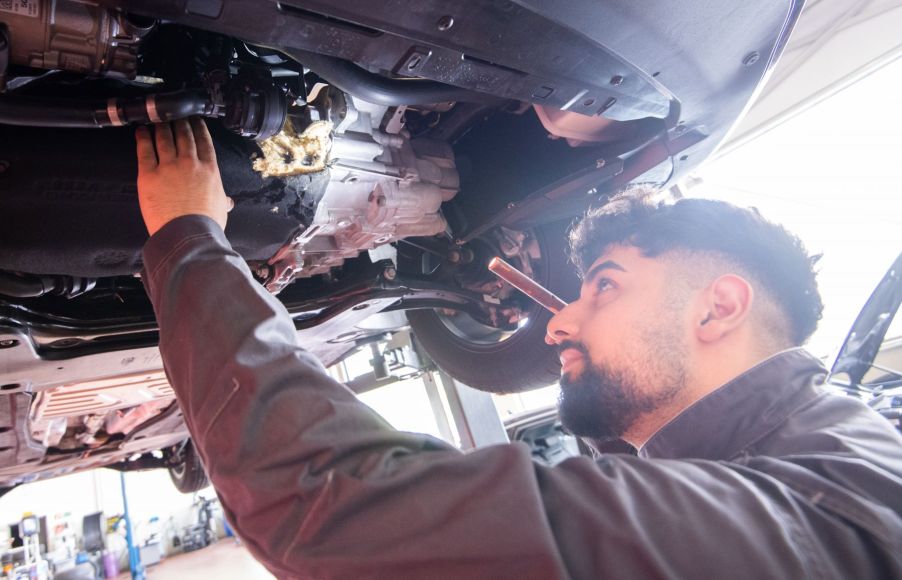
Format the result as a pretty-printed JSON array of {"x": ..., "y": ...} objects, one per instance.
[
  {"x": 202, "y": 139},
  {"x": 147, "y": 158},
  {"x": 165, "y": 144},
  {"x": 184, "y": 139}
]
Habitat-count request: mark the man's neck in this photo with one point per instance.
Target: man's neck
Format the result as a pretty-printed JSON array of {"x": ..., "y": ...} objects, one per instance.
[{"x": 716, "y": 375}]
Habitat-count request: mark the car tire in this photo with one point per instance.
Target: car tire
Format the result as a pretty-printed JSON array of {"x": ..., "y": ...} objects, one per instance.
[
  {"x": 189, "y": 476},
  {"x": 522, "y": 361}
]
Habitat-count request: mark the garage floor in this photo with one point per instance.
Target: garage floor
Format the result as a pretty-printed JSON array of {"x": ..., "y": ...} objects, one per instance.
[{"x": 224, "y": 560}]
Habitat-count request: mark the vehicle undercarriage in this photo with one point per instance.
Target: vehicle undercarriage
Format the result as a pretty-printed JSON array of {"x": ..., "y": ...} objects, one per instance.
[{"x": 378, "y": 159}]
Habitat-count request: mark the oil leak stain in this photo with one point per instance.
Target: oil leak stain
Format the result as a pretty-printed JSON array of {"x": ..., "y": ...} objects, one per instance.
[{"x": 291, "y": 153}]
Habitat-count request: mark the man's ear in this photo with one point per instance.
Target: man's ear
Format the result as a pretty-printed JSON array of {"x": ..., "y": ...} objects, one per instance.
[{"x": 726, "y": 305}]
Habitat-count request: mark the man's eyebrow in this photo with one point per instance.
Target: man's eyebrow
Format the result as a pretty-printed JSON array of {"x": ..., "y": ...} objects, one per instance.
[{"x": 594, "y": 271}]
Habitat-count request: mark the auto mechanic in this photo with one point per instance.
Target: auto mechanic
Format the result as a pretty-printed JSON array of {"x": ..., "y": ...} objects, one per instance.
[{"x": 682, "y": 352}]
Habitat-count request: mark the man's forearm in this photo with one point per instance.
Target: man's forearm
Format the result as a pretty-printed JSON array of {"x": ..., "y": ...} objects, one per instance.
[{"x": 223, "y": 336}]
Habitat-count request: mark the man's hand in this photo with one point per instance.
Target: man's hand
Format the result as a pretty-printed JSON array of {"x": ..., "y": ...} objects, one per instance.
[{"x": 179, "y": 177}]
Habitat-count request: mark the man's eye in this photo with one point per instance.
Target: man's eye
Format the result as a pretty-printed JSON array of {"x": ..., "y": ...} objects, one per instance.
[{"x": 603, "y": 285}]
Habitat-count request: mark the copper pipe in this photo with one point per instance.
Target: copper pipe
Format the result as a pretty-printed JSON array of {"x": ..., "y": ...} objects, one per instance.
[{"x": 526, "y": 285}]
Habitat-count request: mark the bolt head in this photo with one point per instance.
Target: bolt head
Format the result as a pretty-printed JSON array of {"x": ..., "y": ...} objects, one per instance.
[
  {"x": 751, "y": 58},
  {"x": 390, "y": 273},
  {"x": 616, "y": 80},
  {"x": 445, "y": 23}
]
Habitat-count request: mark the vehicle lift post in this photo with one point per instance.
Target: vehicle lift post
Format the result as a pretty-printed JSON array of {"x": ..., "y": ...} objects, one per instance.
[
  {"x": 473, "y": 412},
  {"x": 134, "y": 557}
]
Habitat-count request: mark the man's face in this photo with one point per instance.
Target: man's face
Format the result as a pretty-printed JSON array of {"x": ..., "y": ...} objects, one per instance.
[{"x": 623, "y": 343}]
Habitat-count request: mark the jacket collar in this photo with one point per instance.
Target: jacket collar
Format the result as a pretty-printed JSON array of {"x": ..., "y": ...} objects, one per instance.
[{"x": 724, "y": 422}]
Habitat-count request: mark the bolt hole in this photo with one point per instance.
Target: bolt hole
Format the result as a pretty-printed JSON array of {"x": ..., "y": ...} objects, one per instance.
[
  {"x": 684, "y": 157},
  {"x": 9, "y": 343},
  {"x": 59, "y": 368},
  {"x": 360, "y": 307},
  {"x": 4, "y": 449},
  {"x": 588, "y": 102},
  {"x": 10, "y": 387},
  {"x": 655, "y": 73},
  {"x": 5, "y": 429}
]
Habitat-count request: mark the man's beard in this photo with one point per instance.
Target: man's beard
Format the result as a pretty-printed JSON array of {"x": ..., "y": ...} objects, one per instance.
[{"x": 603, "y": 403}]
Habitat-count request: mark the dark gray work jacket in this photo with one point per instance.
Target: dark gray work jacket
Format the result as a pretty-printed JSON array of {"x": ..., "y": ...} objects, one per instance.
[{"x": 767, "y": 477}]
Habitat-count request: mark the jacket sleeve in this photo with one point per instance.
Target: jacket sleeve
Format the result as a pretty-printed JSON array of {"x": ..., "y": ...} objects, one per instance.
[{"x": 319, "y": 486}]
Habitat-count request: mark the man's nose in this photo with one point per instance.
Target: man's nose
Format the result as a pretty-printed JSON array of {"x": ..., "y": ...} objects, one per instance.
[{"x": 563, "y": 325}]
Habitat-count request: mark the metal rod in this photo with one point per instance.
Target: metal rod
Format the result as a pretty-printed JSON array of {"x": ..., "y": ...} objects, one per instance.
[
  {"x": 134, "y": 555},
  {"x": 527, "y": 285}
]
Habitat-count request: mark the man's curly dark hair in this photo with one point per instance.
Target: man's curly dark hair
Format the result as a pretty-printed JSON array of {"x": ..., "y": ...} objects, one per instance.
[{"x": 765, "y": 251}]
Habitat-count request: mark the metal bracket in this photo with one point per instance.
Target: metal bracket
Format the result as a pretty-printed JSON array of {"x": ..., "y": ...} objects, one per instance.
[{"x": 582, "y": 187}]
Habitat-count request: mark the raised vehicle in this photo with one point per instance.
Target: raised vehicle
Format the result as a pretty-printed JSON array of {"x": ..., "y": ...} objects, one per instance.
[{"x": 379, "y": 155}]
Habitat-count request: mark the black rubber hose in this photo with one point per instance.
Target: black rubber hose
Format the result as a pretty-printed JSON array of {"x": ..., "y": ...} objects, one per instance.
[
  {"x": 25, "y": 286},
  {"x": 380, "y": 90},
  {"x": 34, "y": 285},
  {"x": 35, "y": 112},
  {"x": 168, "y": 106},
  {"x": 44, "y": 112}
]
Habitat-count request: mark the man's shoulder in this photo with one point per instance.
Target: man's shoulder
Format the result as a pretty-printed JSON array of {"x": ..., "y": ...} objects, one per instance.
[
  {"x": 834, "y": 447},
  {"x": 832, "y": 423}
]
